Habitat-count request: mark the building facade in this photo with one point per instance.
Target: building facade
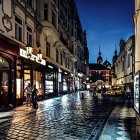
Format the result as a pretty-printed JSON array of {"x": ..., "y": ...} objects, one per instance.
[
  {"x": 100, "y": 73},
  {"x": 136, "y": 18},
  {"x": 51, "y": 28},
  {"x": 124, "y": 64},
  {"x": 113, "y": 67}
]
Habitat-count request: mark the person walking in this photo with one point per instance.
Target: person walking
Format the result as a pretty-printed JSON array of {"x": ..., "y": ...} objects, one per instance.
[
  {"x": 128, "y": 92},
  {"x": 34, "y": 97},
  {"x": 28, "y": 91}
]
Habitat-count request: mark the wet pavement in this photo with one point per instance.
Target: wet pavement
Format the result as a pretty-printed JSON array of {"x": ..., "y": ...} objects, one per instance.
[
  {"x": 63, "y": 118},
  {"x": 121, "y": 124}
]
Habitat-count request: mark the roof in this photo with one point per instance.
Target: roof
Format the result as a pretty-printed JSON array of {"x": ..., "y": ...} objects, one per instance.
[
  {"x": 107, "y": 63},
  {"x": 96, "y": 66}
]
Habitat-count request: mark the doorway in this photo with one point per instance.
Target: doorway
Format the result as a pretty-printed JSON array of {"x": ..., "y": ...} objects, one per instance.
[{"x": 4, "y": 81}]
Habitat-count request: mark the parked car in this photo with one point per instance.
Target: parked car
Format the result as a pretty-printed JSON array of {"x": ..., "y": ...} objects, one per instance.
[{"x": 115, "y": 91}]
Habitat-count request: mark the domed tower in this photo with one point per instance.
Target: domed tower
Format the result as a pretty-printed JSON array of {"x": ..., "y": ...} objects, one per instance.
[
  {"x": 107, "y": 64},
  {"x": 99, "y": 59}
]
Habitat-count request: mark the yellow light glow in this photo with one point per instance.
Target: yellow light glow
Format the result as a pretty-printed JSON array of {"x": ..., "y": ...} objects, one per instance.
[{"x": 18, "y": 85}]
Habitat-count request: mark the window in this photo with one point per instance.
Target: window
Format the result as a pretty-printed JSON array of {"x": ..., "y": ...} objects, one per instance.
[
  {"x": 123, "y": 63},
  {"x": 68, "y": 65},
  {"x": 107, "y": 79},
  {"x": 30, "y": 2},
  {"x": 29, "y": 36},
  {"x": 66, "y": 60},
  {"x": 18, "y": 29},
  {"x": 53, "y": 19},
  {"x": 57, "y": 56},
  {"x": 128, "y": 61},
  {"x": 48, "y": 49},
  {"x": 61, "y": 58},
  {"x": 72, "y": 66},
  {"x": 45, "y": 11}
]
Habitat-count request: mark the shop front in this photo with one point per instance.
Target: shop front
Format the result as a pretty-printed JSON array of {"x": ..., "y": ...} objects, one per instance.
[
  {"x": 51, "y": 81},
  {"x": 32, "y": 72},
  {"x": 6, "y": 82},
  {"x": 77, "y": 83},
  {"x": 67, "y": 82},
  {"x": 33, "y": 75},
  {"x": 7, "y": 73},
  {"x": 60, "y": 82}
]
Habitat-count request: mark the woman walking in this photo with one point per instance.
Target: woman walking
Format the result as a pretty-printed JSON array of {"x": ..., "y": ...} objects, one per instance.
[{"x": 28, "y": 91}]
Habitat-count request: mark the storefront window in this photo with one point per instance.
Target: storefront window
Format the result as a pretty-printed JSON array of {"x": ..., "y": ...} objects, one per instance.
[
  {"x": 37, "y": 79},
  {"x": 65, "y": 85},
  {"x": 49, "y": 82},
  {"x": 26, "y": 78}
]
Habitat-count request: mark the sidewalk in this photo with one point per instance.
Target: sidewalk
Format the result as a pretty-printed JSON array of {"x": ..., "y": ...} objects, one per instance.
[
  {"x": 21, "y": 112},
  {"x": 121, "y": 124}
]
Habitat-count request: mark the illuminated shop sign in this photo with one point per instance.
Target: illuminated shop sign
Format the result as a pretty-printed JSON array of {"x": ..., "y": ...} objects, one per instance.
[
  {"x": 23, "y": 53},
  {"x": 50, "y": 66},
  {"x": 137, "y": 91}
]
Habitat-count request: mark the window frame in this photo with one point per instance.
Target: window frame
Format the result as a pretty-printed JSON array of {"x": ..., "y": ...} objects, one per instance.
[
  {"x": 18, "y": 35},
  {"x": 29, "y": 35},
  {"x": 46, "y": 10}
]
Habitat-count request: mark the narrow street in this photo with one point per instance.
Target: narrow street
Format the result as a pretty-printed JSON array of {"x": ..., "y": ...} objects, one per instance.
[{"x": 69, "y": 118}]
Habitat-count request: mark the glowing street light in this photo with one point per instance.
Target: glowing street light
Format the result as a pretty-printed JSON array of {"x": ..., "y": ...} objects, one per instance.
[{"x": 39, "y": 56}]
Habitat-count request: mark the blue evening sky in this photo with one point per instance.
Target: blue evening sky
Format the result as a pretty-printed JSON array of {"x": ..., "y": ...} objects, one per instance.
[{"x": 106, "y": 22}]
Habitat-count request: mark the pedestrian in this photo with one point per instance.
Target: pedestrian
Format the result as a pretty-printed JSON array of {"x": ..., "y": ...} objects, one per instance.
[
  {"x": 104, "y": 90},
  {"x": 94, "y": 91},
  {"x": 28, "y": 91},
  {"x": 128, "y": 92},
  {"x": 34, "y": 97}
]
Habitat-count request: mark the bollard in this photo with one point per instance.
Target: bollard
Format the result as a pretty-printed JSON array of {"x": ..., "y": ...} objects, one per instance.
[{"x": 82, "y": 95}]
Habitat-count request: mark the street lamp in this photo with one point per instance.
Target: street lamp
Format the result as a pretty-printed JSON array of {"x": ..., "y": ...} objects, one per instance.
[
  {"x": 29, "y": 50},
  {"x": 39, "y": 56}
]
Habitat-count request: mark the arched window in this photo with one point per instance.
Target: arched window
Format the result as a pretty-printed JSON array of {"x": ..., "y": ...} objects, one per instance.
[{"x": 4, "y": 64}]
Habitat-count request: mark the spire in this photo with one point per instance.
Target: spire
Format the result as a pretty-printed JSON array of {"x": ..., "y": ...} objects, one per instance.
[
  {"x": 115, "y": 56},
  {"x": 99, "y": 51},
  {"x": 99, "y": 59},
  {"x": 115, "y": 50}
]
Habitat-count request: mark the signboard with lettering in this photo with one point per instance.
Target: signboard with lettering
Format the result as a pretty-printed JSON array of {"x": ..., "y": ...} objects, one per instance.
[
  {"x": 137, "y": 92},
  {"x": 33, "y": 57}
]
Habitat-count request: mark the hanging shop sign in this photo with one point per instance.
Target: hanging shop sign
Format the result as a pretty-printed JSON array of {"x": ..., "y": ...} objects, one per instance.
[
  {"x": 23, "y": 53},
  {"x": 137, "y": 92}
]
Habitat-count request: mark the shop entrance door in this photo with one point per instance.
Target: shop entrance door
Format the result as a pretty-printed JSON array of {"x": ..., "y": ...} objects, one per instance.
[{"x": 4, "y": 87}]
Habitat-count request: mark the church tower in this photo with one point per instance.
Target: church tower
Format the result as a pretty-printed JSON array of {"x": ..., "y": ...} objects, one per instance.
[
  {"x": 99, "y": 59},
  {"x": 115, "y": 56}
]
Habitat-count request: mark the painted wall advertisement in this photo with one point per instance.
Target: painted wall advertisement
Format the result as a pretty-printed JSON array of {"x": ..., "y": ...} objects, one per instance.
[{"x": 137, "y": 91}]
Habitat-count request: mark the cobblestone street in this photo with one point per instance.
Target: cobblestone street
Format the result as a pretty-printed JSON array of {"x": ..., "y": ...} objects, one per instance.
[{"x": 63, "y": 118}]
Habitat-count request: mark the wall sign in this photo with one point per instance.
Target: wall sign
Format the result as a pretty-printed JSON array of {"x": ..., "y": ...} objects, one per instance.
[
  {"x": 33, "y": 57},
  {"x": 137, "y": 92}
]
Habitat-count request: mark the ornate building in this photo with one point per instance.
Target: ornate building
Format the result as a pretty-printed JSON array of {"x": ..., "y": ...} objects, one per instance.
[
  {"x": 43, "y": 43},
  {"x": 99, "y": 59},
  {"x": 100, "y": 72},
  {"x": 136, "y": 18},
  {"x": 113, "y": 67},
  {"x": 124, "y": 64}
]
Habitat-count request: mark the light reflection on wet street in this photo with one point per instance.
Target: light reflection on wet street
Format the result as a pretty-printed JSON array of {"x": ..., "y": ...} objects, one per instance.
[{"x": 62, "y": 118}]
